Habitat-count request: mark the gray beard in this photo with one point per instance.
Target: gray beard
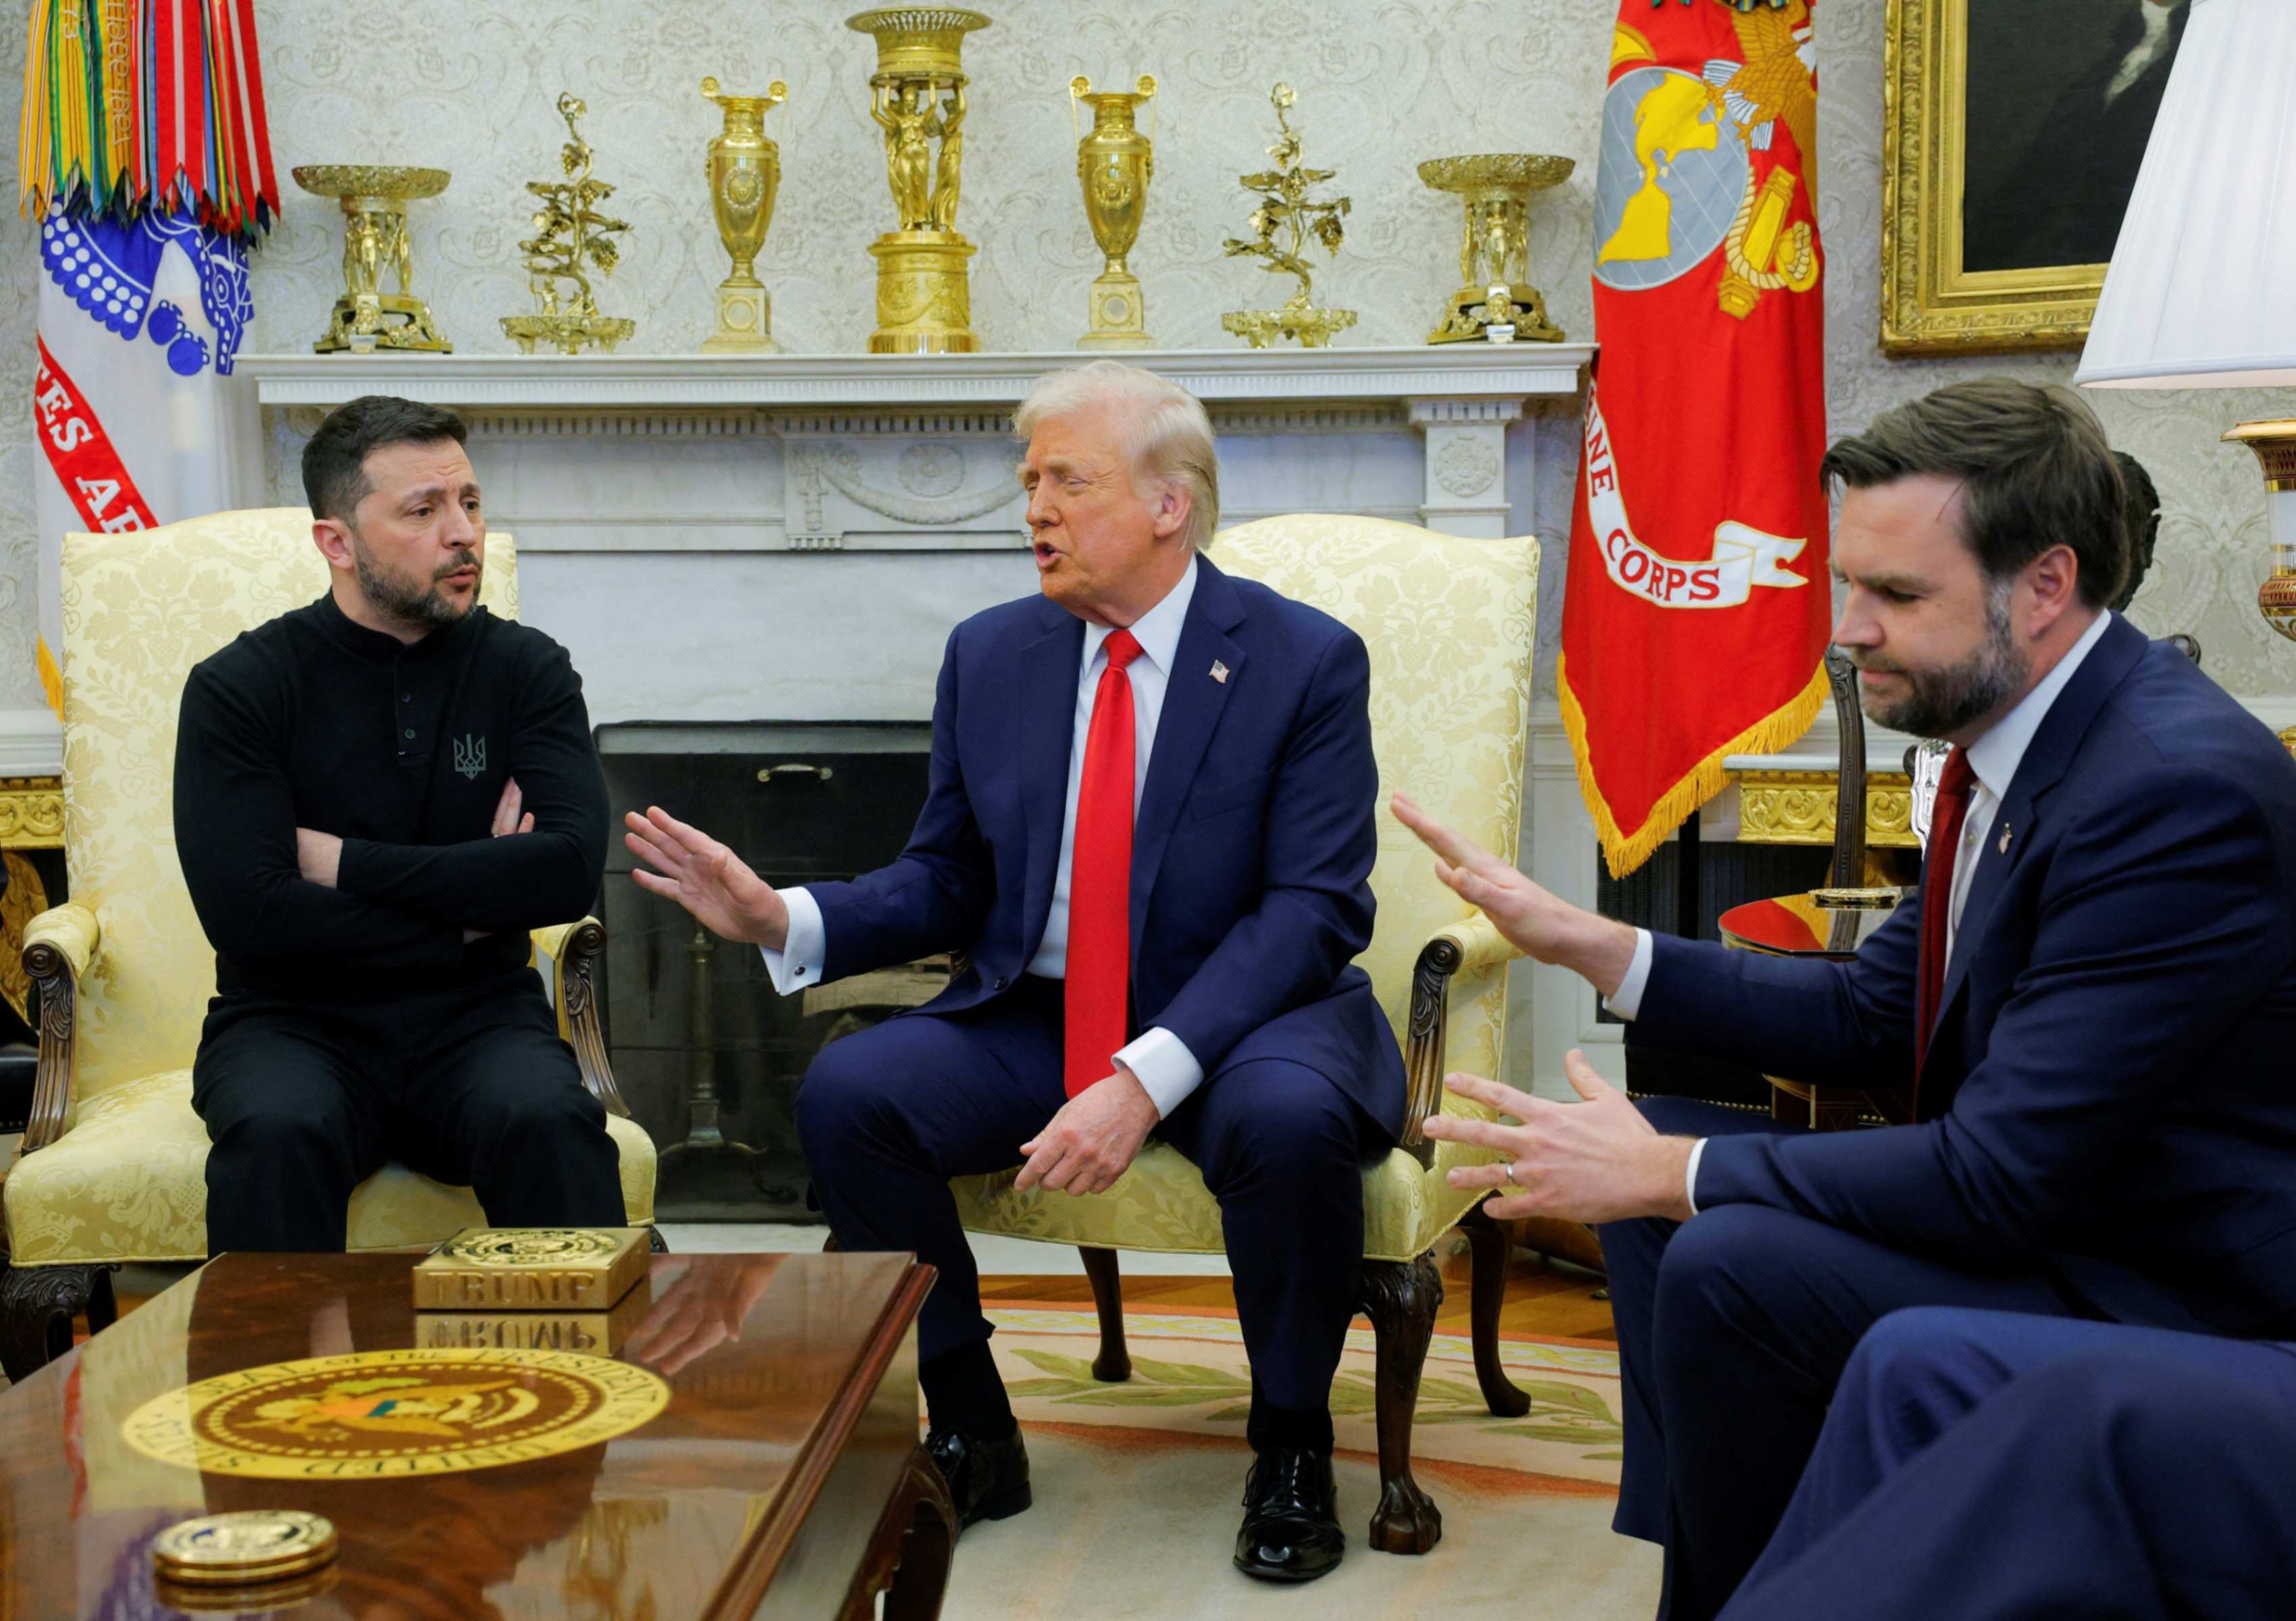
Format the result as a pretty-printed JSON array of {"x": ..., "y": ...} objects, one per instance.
[{"x": 1938, "y": 703}]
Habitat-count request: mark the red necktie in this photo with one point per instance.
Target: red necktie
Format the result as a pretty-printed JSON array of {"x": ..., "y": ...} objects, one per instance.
[
  {"x": 1949, "y": 811},
  {"x": 1097, "y": 996}
]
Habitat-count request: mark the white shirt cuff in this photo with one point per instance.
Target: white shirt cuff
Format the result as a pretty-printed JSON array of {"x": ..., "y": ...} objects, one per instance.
[
  {"x": 1626, "y": 1000},
  {"x": 1166, "y": 1071},
  {"x": 1690, "y": 1175},
  {"x": 798, "y": 964}
]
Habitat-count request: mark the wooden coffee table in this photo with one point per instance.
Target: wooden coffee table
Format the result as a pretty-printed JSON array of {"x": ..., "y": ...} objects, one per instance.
[{"x": 782, "y": 1472}]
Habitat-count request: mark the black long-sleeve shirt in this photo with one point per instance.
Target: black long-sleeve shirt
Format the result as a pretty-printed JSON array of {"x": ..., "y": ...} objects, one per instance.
[{"x": 311, "y": 720}]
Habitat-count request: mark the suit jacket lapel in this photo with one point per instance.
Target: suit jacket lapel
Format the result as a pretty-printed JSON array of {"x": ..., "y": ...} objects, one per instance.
[
  {"x": 2045, "y": 763},
  {"x": 1050, "y": 668},
  {"x": 1194, "y": 701}
]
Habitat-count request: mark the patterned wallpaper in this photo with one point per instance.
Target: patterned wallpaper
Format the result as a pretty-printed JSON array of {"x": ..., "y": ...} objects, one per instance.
[{"x": 468, "y": 85}]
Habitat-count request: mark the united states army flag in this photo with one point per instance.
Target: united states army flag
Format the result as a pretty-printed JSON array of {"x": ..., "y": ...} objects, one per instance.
[
  {"x": 1695, "y": 612},
  {"x": 146, "y": 162}
]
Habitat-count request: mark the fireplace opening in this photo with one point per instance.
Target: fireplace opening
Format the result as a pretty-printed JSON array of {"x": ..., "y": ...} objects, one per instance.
[{"x": 707, "y": 1054}]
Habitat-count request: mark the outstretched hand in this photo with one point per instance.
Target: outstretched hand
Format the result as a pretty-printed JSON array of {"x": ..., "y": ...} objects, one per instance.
[
  {"x": 706, "y": 878},
  {"x": 1596, "y": 1160},
  {"x": 1540, "y": 924}
]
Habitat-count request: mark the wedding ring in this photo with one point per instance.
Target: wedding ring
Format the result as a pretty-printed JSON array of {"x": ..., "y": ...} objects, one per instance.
[{"x": 1510, "y": 1174}]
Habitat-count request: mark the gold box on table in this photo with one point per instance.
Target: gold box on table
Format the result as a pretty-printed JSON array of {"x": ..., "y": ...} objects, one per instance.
[
  {"x": 531, "y": 1269},
  {"x": 599, "y": 1333}
]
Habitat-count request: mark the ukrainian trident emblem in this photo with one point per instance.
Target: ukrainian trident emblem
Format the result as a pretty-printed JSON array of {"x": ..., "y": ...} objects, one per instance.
[{"x": 470, "y": 756}]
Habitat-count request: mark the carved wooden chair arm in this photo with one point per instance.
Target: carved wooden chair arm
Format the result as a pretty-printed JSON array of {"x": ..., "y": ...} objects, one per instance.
[
  {"x": 573, "y": 950},
  {"x": 59, "y": 945},
  {"x": 1472, "y": 945}
]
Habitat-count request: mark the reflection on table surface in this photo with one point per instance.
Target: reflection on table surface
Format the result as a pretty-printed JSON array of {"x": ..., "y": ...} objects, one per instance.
[
  {"x": 1803, "y": 925},
  {"x": 756, "y": 1351}
]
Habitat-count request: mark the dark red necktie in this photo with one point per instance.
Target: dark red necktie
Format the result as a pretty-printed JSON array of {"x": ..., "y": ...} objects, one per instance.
[
  {"x": 1096, "y": 997},
  {"x": 1948, "y": 813}
]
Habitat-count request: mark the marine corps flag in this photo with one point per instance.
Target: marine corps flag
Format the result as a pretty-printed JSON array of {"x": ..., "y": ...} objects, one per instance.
[{"x": 1694, "y": 621}]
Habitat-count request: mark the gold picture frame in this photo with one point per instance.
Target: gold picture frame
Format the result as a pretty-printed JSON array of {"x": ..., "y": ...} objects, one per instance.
[{"x": 1932, "y": 301}]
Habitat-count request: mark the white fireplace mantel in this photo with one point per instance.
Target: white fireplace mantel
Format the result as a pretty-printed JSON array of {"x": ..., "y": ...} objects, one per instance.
[
  {"x": 1457, "y": 400},
  {"x": 1481, "y": 371}
]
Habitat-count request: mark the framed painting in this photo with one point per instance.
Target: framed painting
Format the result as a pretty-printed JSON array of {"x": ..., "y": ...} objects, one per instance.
[{"x": 2012, "y": 133}]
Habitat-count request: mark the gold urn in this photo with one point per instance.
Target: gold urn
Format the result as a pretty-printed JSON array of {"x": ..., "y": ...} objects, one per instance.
[
  {"x": 745, "y": 175},
  {"x": 1495, "y": 290},
  {"x": 1114, "y": 164},
  {"x": 916, "y": 96}
]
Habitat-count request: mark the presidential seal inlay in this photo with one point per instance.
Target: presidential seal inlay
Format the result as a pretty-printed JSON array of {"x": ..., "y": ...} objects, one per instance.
[{"x": 369, "y": 1414}]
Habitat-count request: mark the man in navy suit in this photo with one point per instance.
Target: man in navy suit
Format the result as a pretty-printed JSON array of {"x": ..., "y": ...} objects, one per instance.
[
  {"x": 2084, "y": 1020},
  {"x": 1150, "y": 827},
  {"x": 1992, "y": 1466}
]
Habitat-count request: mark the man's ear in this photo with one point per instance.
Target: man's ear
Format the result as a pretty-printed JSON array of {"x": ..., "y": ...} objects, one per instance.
[
  {"x": 334, "y": 539},
  {"x": 2054, "y": 580},
  {"x": 1174, "y": 507}
]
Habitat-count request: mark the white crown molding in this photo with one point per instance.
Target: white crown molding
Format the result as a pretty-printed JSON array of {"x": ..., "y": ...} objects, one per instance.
[{"x": 1514, "y": 371}]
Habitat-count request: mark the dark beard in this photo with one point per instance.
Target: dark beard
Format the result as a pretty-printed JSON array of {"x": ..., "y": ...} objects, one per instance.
[
  {"x": 1938, "y": 703},
  {"x": 412, "y": 602}
]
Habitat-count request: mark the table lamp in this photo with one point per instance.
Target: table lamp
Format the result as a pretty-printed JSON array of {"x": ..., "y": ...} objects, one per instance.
[{"x": 2202, "y": 290}]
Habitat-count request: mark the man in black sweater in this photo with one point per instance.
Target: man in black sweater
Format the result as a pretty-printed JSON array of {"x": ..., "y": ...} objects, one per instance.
[{"x": 376, "y": 797}]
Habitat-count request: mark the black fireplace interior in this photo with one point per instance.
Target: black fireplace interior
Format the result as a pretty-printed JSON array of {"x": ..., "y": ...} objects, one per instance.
[{"x": 707, "y": 1054}]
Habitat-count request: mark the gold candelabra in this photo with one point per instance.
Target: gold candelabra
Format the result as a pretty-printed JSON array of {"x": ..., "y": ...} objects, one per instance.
[
  {"x": 924, "y": 300},
  {"x": 570, "y": 235},
  {"x": 1114, "y": 164},
  {"x": 1284, "y": 224},
  {"x": 374, "y": 198},
  {"x": 745, "y": 175}
]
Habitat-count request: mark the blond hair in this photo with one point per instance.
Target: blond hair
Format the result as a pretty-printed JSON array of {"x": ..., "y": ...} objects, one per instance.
[{"x": 1166, "y": 431}]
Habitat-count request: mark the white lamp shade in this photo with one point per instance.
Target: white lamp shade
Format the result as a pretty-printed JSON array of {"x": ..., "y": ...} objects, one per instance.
[{"x": 2202, "y": 290}]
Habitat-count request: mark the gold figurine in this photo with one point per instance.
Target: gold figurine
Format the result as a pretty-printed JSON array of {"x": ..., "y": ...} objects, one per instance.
[
  {"x": 1495, "y": 290},
  {"x": 745, "y": 174},
  {"x": 1114, "y": 164},
  {"x": 924, "y": 302},
  {"x": 374, "y": 198},
  {"x": 568, "y": 233},
  {"x": 1284, "y": 212}
]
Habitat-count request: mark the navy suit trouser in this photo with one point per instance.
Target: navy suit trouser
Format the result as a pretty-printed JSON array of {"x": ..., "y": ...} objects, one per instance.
[
  {"x": 1996, "y": 1467},
  {"x": 1734, "y": 1328},
  {"x": 890, "y": 1114}
]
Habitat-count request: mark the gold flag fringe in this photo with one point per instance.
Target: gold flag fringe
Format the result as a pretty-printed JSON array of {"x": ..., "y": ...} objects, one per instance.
[
  {"x": 52, "y": 680},
  {"x": 1623, "y": 852}
]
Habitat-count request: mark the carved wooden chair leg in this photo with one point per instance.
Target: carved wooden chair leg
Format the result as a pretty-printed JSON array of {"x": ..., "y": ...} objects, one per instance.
[
  {"x": 1489, "y": 1248},
  {"x": 36, "y": 1307},
  {"x": 1400, "y": 1300},
  {"x": 1113, "y": 1365},
  {"x": 655, "y": 1242}
]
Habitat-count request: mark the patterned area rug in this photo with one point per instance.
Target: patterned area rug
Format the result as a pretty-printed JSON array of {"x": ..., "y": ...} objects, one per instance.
[{"x": 1139, "y": 1485}]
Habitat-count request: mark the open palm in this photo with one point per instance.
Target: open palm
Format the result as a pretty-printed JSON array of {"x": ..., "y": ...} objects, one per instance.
[{"x": 706, "y": 878}]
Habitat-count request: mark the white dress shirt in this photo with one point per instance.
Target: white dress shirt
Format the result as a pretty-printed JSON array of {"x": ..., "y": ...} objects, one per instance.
[
  {"x": 1993, "y": 761},
  {"x": 1158, "y": 1060}
]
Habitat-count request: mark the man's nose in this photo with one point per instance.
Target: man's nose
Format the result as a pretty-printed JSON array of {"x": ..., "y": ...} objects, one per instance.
[
  {"x": 1040, "y": 509},
  {"x": 461, "y": 528},
  {"x": 1855, "y": 626}
]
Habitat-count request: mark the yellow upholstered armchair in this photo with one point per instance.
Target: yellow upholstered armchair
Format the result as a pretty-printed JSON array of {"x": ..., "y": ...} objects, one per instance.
[
  {"x": 1450, "y": 623},
  {"x": 112, "y": 1166}
]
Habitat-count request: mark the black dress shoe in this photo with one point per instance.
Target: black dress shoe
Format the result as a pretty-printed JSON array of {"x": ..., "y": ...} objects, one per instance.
[
  {"x": 987, "y": 1480},
  {"x": 1290, "y": 1525}
]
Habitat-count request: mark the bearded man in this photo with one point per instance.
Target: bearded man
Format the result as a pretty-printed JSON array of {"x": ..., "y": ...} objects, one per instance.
[
  {"x": 2085, "y": 1017},
  {"x": 376, "y": 797}
]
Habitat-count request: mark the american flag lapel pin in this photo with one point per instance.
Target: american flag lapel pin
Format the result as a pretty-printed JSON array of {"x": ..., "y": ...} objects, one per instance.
[
  {"x": 2003, "y": 846},
  {"x": 1219, "y": 672}
]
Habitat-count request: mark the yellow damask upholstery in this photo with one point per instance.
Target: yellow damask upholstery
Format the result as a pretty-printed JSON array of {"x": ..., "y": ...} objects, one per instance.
[
  {"x": 125, "y": 1179},
  {"x": 1449, "y": 624}
]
